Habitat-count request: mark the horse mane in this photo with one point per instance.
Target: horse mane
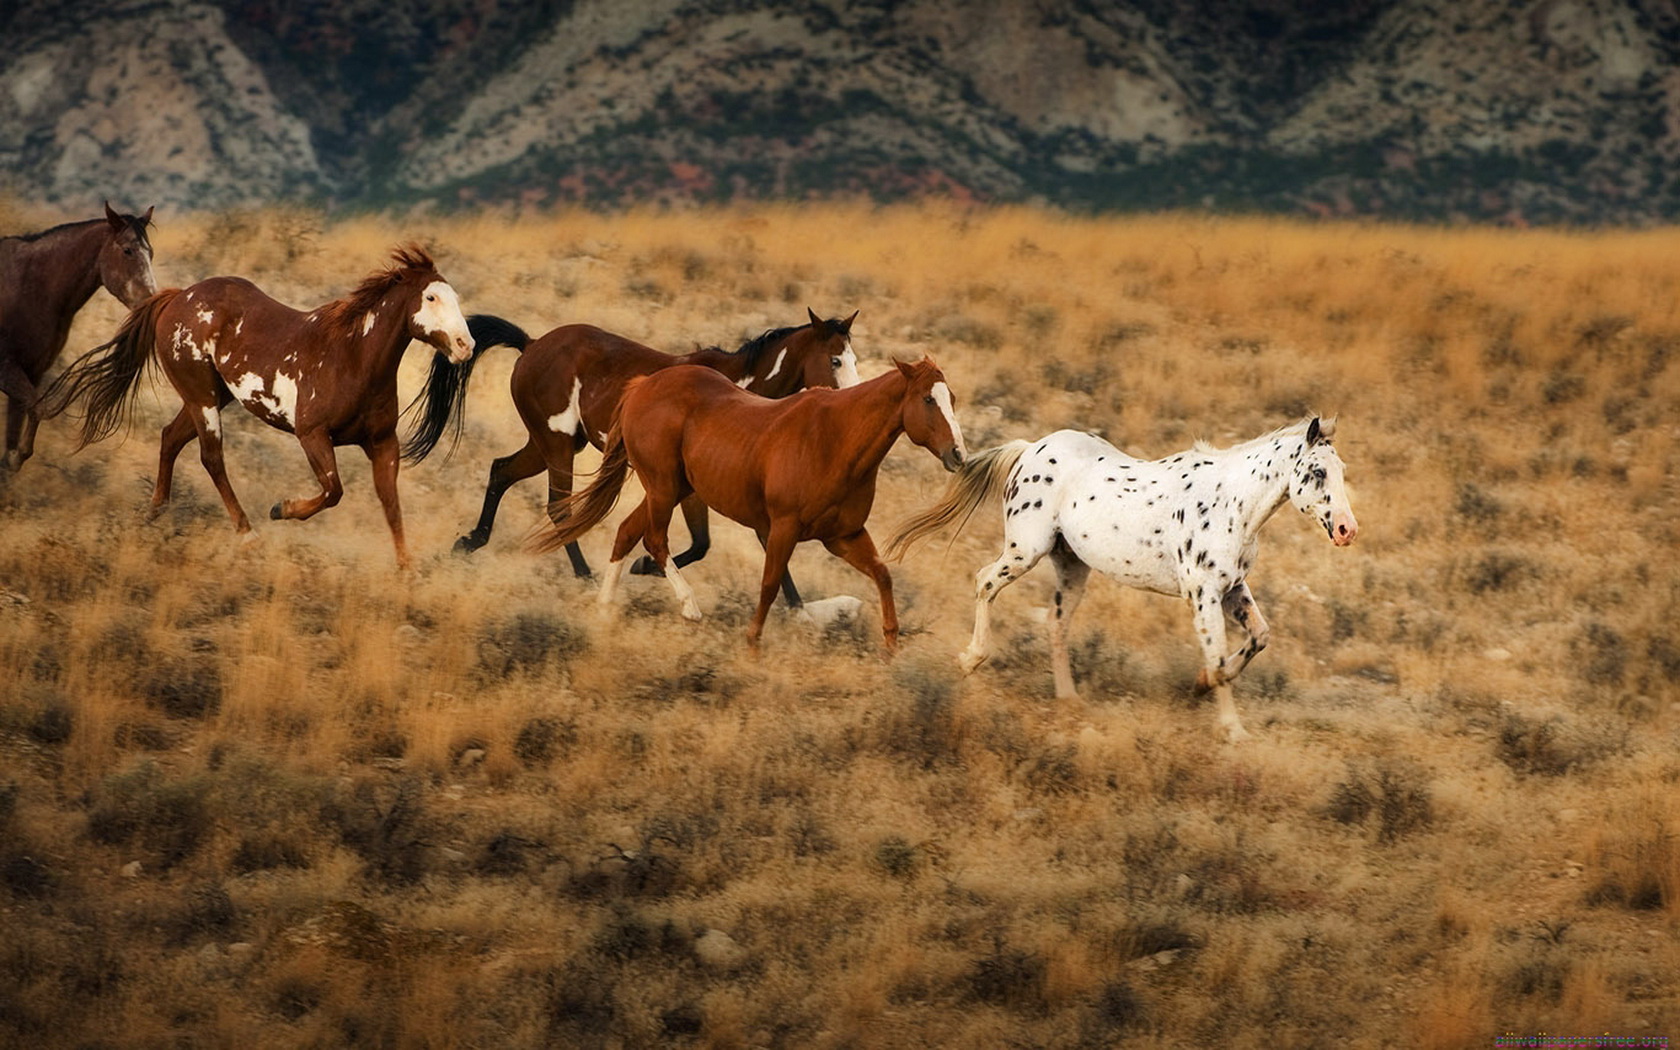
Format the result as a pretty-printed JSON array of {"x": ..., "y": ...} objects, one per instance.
[
  {"x": 1203, "y": 445},
  {"x": 135, "y": 223},
  {"x": 753, "y": 349},
  {"x": 340, "y": 316}
]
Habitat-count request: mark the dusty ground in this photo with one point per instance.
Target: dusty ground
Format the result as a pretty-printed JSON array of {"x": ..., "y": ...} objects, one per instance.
[{"x": 279, "y": 794}]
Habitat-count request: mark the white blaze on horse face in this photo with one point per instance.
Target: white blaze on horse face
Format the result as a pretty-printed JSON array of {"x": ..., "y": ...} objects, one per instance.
[
  {"x": 942, "y": 397},
  {"x": 847, "y": 374},
  {"x": 567, "y": 422},
  {"x": 439, "y": 317}
]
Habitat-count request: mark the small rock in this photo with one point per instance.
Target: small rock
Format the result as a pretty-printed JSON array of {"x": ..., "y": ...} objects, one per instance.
[
  {"x": 453, "y": 856},
  {"x": 387, "y": 762},
  {"x": 1028, "y": 813},
  {"x": 1183, "y": 885},
  {"x": 472, "y": 756},
  {"x": 409, "y": 633},
  {"x": 131, "y": 870},
  {"x": 717, "y": 950},
  {"x": 239, "y": 951},
  {"x": 1496, "y": 655}
]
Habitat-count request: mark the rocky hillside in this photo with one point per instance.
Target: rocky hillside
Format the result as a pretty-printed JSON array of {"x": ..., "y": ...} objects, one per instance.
[{"x": 1511, "y": 110}]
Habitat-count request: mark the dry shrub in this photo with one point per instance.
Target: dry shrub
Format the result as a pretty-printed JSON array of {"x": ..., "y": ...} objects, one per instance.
[
  {"x": 1555, "y": 746},
  {"x": 170, "y": 819},
  {"x": 1634, "y": 857},
  {"x": 385, "y": 825},
  {"x": 1394, "y": 791},
  {"x": 526, "y": 644}
]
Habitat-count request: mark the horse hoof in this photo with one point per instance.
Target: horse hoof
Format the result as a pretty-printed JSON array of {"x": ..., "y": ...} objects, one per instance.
[
  {"x": 1236, "y": 734},
  {"x": 277, "y": 511},
  {"x": 466, "y": 545},
  {"x": 646, "y": 566},
  {"x": 1202, "y": 684},
  {"x": 969, "y": 662}
]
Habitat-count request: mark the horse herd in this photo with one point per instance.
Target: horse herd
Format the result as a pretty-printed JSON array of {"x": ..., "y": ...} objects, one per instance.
[{"x": 781, "y": 435}]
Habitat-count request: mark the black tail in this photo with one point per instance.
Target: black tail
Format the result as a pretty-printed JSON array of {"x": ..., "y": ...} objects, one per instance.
[
  {"x": 441, "y": 404},
  {"x": 107, "y": 380}
]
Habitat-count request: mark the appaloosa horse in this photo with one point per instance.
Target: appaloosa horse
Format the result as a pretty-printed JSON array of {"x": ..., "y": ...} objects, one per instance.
[
  {"x": 802, "y": 468},
  {"x": 328, "y": 376},
  {"x": 1187, "y": 525},
  {"x": 44, "y": 279},
  {"x": 567, "y": 383}
]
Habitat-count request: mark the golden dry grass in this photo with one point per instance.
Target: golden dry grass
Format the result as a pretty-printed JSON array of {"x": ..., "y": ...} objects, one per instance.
[{"x": 457, "y": 808}]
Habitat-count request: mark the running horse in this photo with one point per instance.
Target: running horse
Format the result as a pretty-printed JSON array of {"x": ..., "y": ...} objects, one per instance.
[
  {"x": 802, "y": 468},
  {"x": 567, "y": 383},
  {"x": 328, "y": 376},
  {"x": 45, "y": 278},
  {"x": 1187, "y": 525}
]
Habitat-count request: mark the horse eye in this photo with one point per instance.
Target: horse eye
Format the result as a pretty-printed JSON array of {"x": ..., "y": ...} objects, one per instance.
[
  {"x": 834, "y": 362},
  {"x": 928, "y": 399},
  {"x": 431, "y": 298}
]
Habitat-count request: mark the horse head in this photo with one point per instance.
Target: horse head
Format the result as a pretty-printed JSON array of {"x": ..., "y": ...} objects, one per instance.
[
  {"x": 822, "y": 353},
  {"x": 929, "y": 412},
  {"x": 125, "y": 262},
  {"x": 1317, "y": 486},
  {"x": 435, "y": 317}
]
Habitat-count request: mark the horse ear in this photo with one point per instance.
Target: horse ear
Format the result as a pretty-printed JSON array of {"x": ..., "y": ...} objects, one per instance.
[
  {"x": 1313, "y": 432},
  {"x": 1327, "y": 429},
  {"x": 906, "y": 368},
  {"x": 846, "y": 325},
  {"x": 816, "y": 322},
  {"x": 111, "y": 217},
  {"x": 146, "y": 219}
]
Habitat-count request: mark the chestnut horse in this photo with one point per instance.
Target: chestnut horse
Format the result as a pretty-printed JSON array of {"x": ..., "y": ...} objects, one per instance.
[
  {"x": 567, "y": 383},
  {"x": 328, "y": 376},
  {"x": 44, "y": 279},
  {"x": 802, "y": 468}
]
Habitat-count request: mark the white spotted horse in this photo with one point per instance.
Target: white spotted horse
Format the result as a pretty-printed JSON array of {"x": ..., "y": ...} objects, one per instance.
[
  {"x": 328, "y": 376},
  {"x": 1187, "y": 525}
]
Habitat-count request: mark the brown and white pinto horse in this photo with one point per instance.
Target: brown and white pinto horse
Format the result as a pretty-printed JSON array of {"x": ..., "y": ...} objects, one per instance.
[
  {"x": 802, "y": 468},
  {"x": 44, "y": 279},
  {"x": 567, "y": 383},
  {"x": 328, "y": 376}
]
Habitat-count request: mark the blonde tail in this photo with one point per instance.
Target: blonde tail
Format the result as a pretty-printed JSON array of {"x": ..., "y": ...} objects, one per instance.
[{"x": 979, "y": 481}]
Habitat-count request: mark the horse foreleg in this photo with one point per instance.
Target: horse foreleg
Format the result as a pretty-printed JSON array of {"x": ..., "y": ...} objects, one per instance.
[
  {"x": 1210, "y": 633},
  {"x": 1241, "y": 610},
  {"x": 504, "y": 474},
  {"x": 175, "y": 436},
  {"x": 318, "y": 448},
  {"x": 385, "y": 455},
  {"x": 778, "y": 550},
  {"x": 14, "y": 429},
  {"x": 858, "y": 551},
  {"x": 1071, "y": 574}
]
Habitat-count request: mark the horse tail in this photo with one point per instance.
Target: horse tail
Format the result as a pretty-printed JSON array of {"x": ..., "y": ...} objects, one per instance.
[
  {"x": 584, "y": 509},
  {"x": 979, "y": 481},
  {"x": 105, "y": 381},
  {"x": 441, "y": 405}
]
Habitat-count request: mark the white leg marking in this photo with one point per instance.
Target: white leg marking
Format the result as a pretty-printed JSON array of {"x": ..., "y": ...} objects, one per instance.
[
  {"x": 609, "y": 581},
  {"x": 684, "y": 593}
]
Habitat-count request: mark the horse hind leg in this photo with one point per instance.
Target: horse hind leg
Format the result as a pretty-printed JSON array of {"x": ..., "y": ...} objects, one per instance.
[
  {"x": 1243, "y": 614},
  {"x": 208, "y": 422},
  {"x": 859, "y": 552},
  {"x": 1020, "y": 554},
  {"x": 696, "y": 517},
  {"x": 631, "y": 531},
  {"x": 657, "y": 540},
  {"x": 1071, "y": 575},
  {"x": 175, "y": 436}
]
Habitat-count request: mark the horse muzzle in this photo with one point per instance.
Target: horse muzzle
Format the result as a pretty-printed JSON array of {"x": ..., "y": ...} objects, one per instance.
[
  {"x": 1343, "y": 529},
  {"x": 952, "y": 458},
  {"x": 460, "y": 350}
]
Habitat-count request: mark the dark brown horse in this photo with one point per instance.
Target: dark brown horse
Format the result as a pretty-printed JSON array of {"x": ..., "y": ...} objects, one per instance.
[
  {"x": 44, "y": 279},
  {"x": 567, "y": 383},
  {"x": 802, "y": 468},
  {"x": 328, "y": 376}
]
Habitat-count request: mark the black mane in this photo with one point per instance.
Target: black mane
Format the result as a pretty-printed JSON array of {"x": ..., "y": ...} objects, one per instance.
[{"x": 753, "y": 349}]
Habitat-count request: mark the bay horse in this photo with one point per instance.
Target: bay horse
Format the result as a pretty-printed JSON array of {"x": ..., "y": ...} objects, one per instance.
[
  {"x": 1187, "y": 525},
  {"x": 45, "y": 278},
  {"x": 802, "y": 468},
  {"x": 328, "y": 376},
  {"x": 567, "y": 383}
]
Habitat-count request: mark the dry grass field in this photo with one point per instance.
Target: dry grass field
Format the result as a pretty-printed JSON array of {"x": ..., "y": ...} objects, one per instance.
[{"x": 281, "y": 795}]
